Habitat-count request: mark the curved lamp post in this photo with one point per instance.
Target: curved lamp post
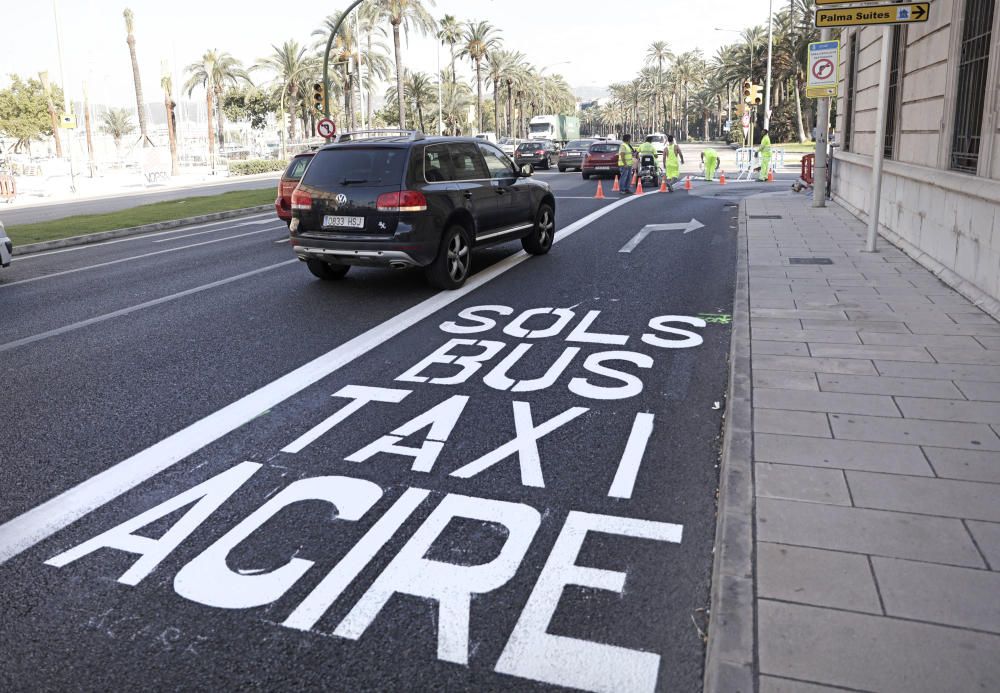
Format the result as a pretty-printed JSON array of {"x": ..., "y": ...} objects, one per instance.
[{"x": 326, "y": 57}]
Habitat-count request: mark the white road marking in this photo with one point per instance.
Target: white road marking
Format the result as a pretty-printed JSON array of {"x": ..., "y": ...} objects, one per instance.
[
  {"x": 131, "y": 309},
  {"x": 139, "y": 237},
  {"x": 128, "y": 259},
  {"x": 283, "y": 240},
  {"x": 202, "y": 233},
  {"x": 42, "y": 521},
  {"x": 690, "y": 226},
  {"x": 628, "y": 467}
]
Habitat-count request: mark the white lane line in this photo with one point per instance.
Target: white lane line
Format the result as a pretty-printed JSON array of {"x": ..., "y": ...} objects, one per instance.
[
  {"x": 129, "y": 259},
  {"x": 131, "y": 309},
  {"x": 139, "y": 237},
  {"x": 202, "y": 233},
  {"x": 42, "y": 521},
  {"x": 283, "y": 240}
]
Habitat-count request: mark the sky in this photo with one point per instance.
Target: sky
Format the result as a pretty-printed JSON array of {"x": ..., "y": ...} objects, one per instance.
[{"x": 590, "y": 43}]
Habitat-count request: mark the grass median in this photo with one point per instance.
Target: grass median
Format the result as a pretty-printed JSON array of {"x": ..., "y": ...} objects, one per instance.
[{"x": 137, "y": 216}]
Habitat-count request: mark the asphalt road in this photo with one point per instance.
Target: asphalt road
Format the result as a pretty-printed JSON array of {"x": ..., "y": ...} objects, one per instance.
[
  {"x": 510, "y": 500},
  {"x": 11, "y": 216}
]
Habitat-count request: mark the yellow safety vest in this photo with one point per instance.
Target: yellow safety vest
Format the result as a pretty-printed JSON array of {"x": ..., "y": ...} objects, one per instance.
[{"x": 625, "y": 155}]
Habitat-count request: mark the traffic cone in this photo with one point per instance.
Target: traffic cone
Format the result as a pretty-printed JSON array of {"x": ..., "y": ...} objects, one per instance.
[
  {"x": 687, "y": 183},
  {"x": 638, "y": 187},
  {"x": 722, "y": 178},
  {"x": 663, "y": 185},
  {"x": 770, "y": 176},
  {"x": 600, "y": 191},
  {"x": 615, "y": 187}
]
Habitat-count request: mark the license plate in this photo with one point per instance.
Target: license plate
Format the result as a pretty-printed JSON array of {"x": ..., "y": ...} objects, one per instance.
[
  {"x": 603, "y": 168},
  {"x": 348, "y": 222}
]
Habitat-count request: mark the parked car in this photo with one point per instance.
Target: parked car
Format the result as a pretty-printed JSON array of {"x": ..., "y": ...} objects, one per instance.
[
  {"x": 406, "y": 200},
  {"x": 537, "y": 154},
  {"x": 572, "y": 155},
  {"x": 601, "y": 159},
  {"x": 289, "y": 179},
  {"x": 508, "y": 145},
  {"x": 6, "y": 247}
]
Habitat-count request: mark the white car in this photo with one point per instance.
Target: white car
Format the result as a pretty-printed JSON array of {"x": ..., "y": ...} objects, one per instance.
[
  {"x": 6, "y": 247},
  {"x": 660, "y": 142}
]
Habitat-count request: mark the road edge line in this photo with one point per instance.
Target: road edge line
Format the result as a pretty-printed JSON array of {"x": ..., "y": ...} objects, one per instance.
[
  {"x": 42, "y": 521},
  {"x": 729, "y": 656},
  {"x": 29, "y": 248}
]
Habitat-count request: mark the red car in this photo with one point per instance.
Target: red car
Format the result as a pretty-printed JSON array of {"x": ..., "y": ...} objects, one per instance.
[
  {"x": 289, "y": 179},
  {"x": 601, "y": 159}
]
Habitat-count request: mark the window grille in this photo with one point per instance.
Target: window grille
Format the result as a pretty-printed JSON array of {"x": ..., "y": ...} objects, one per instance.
[
  {"x": 896, "y": 48},
  {"x": 970, "y": 96},
  {"x": 852, "y": 79}
]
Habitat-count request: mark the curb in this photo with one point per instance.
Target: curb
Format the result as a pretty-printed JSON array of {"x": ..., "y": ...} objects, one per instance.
[
  {"x": 29, "y": 248},
  {"x": 729, "y": 657}
]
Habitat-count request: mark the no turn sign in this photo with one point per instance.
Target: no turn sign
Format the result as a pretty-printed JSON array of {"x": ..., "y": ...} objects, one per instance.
[
  {"x": 824, "y": 56},
  {"x": 326, "y": 128}
]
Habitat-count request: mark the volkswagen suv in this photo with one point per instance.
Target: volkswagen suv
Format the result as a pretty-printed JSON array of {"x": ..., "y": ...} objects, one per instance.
[{"x": 399, "y": 199}]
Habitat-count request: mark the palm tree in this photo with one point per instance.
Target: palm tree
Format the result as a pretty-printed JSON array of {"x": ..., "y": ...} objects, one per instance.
[
  {"x": 288, "y": 63},
  {"x": 375, "y": 61},
  {"x": 343, "y": 54},
  {"x": 117, "y": 122},
  {"x": 168, "y": 101},
  {"x": 201, "y": 74},
  {"x": 228, "y": 72},
  {"x": 140, "y": 107},
  {"x": 455, "y": 101},
  {"x": 418, "y": 90},
  {"x": 657, "y": 53},
  {"x": 408, "y": 14},
  {"x": 479, "y": 39},
  {"x": 450, "y": 34}
]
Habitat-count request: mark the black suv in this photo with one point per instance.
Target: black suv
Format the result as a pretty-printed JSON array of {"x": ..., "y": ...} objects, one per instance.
[
  {"x": 399, "y": 199},
  {"x": 536, "y": 153}
]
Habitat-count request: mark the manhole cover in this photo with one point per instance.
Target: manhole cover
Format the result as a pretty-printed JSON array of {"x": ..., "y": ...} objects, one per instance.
[
  {"x": 810, "y": 261},
  {"x": 765, "y": 216}
]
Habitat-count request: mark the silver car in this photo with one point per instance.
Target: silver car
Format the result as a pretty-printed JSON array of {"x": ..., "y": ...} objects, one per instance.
[{"x": 6, "y": 247}]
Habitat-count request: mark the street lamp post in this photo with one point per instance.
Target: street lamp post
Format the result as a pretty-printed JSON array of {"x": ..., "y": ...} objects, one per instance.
[
  {"x": 767, "y": 86},
  {"x": 326, "y": 57}
]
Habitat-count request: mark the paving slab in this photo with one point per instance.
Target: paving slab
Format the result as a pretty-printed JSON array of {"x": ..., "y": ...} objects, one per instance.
[
  {"x": 785, "y": 380},
  {"x": 874, "y": 653},
  {"x": 796, "y": 423},
  {"x": 815, "y": 365},
  {"x": 944, "y": 434},
  {"x": 986, "y": 357},
  {"x": 841, "y": 454},
  {"x": 940, "y": 497},
  {"x": 813, "y": 576},
  {"x": 987, "y": 536},
  {"x": 778, "y": 348},
  {"x": 924, "y": 340},
  {"x": 983, "y": 391},
  {"x": 870, "y": 351},
  {"x": 971, "y": 465},
  {"x": 846, "y": 336},
  {"x": 839, "y": 402},
  {"x": 801, "y": 483},
  {"x": 774, "y": 684},
  {"x": 887, "y": 385},
  {"x": 949, "y": 409}
]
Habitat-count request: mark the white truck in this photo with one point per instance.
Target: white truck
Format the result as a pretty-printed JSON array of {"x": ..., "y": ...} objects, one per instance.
[{"x": 558, "y": 128}]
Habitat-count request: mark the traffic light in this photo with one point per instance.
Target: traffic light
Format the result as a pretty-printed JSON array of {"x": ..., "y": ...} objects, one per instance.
[
  {"x": 748, "y": 91},
  {"x": 319, "y": 96},
  {"x": 755, "y": 97}
]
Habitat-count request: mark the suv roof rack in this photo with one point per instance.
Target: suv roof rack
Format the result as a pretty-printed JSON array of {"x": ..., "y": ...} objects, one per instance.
[{"x": 351, "y": 135}]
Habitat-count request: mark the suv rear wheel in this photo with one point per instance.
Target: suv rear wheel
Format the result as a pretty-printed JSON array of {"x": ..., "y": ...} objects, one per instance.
[
  {"x": 539, "y": 241},
  {"x": 451, "y": 267},
  {"x": 326, "y": 271}
]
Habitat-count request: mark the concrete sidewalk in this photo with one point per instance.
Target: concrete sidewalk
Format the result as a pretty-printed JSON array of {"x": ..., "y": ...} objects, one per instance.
[{"x": 876, "y": 463}]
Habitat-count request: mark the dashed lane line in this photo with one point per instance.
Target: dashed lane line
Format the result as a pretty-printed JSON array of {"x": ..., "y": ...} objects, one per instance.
[{"x": 42, "y": 521}]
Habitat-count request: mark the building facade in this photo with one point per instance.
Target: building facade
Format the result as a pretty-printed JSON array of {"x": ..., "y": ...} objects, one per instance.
[{"x": 940, "y": 198}]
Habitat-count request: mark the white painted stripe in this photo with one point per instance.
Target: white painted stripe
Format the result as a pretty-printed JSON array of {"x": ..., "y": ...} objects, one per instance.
[
  {"x": 42, "y": 521},
  {"x": 131, "y": 309},
  {"x": 283, "y": 240},
  {"x": 628, "y": 468},
  {"x": 202, "y": 233},
  {"x": 138, "y": 237},
  {"x": 128, "y": 259}
]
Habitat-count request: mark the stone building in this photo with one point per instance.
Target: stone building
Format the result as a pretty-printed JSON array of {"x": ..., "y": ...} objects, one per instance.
[{"x": 941, "y": 188}]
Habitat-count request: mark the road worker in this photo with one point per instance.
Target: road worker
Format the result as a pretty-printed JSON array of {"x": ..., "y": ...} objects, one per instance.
[
  {"x": 672, "y": 160},
  {"x": 626, "y": 155},
  {"x": 710, "y": 158},
  {"x": 765, "y": 156}
]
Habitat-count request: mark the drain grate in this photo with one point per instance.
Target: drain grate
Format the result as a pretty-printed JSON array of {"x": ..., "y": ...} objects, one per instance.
[
  {"x": 765, "y": 216},
  {"x": 810, "y": 261}
]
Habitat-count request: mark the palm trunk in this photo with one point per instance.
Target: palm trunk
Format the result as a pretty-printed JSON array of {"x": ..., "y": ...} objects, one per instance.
[
  {"x": 219, "y": 117},
  {"x": 55, "y": 127},
  {"x": 369, "y": 105},
  {"x": 452, "y": 64},
  {"x": 510, "y": 111},
  {"x": 138, "y": 92},
  {"x": 479, "y": 97},
  {"x": 293, "y": 93},
  {"x": 798, "y": 111},
  {"x": 171, "y": 133},
  {"x": 399, "y": 75},
  {"x": 496, "y": 109},
  {"x": 86, "y": 125},
  {"x": 420, "y": 117},
  {"x": 211, "y": 134}
]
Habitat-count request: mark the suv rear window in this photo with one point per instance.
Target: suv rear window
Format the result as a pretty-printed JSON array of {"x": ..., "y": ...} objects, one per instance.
[
  {"x": 578, "y": 144},
  {"x": 296, "y": 167},
  {"x": 525, "y": 146},
  {"x": 602, "y": 148},
  {"x": 356, "y": 166}
]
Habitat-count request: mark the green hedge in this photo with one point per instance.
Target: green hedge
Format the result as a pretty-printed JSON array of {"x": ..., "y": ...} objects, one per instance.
[{"x": 252, "y": 166}]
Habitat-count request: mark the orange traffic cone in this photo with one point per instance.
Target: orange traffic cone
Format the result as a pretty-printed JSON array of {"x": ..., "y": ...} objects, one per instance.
[
  {"x": 722, "y": 178},
  {"x": 638, "y": 187},
  {"x": 663, "y": 185},
  {"x": 615, "y": 187},
  {"x": 600, "y": 191},
  {"x": 770, "y": 176},
  {"x": 687, "y": 183}
]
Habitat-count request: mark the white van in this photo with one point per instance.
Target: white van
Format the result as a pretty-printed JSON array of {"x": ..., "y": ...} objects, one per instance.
[{"x": 6, "y": 247}]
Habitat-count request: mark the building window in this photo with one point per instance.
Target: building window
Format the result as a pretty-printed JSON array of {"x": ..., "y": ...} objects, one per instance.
[
  {"x": 852, "y": 79},
  {"x": 896, "y": 48},
  {"x": 971, "y": 94}
]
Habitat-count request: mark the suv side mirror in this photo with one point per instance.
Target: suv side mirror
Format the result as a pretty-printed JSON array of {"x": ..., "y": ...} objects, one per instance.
[{"x": 527, "y": 171}]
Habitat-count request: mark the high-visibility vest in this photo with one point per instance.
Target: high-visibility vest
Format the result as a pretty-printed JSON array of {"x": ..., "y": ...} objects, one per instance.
[
  {"x": 765, "y": 145},
  {"x": 672, "y": 155},
  {"x": 647, "y": 148},
  {"x": 625, "y": 154}
]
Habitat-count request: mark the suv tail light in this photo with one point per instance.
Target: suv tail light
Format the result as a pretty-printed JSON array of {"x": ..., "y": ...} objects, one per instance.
[
  {"x": 405, "y": 201},
  {"x": 540, "y": 152},
  {"x": 301, "y": 200}
]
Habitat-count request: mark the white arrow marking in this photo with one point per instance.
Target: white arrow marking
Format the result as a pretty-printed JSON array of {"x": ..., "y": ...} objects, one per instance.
[{"x": 690, "y": 226}]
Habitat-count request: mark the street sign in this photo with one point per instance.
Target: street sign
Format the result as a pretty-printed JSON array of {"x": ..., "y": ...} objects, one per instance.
[
  {"x": 873, "y": 14},
  {"x": 67, "y": 121},
  {"x": 745, "y": 119},
  {"x": 326, "y": 128},
  {"x": 824, "y": 69}
]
